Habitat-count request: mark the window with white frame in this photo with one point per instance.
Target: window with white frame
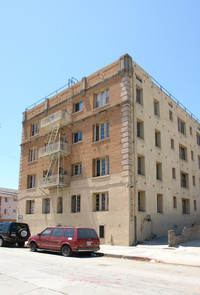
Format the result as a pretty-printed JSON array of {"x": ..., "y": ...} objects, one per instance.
[
  {"x": 35, "y": 129},
  {"x": 101, "y": 201},
  {"x": 31, "y": 181},
  {"x": 101, "y": 131},
  {"x": 30, "y": 207},
  {"x": 77, "y": 169},
  {"x": 77, "y": 137},
  {"x": 75, "y": 203},
  {"x": 101, "y": 166},
  {"x": 101, "y": 99},
  {"x": 78, "y": 107},
  {"x": 32, "y": 155}
]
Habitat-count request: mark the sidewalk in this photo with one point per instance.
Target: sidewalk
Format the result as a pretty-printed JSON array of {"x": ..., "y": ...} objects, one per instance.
[{"x": 157, "y": 250}]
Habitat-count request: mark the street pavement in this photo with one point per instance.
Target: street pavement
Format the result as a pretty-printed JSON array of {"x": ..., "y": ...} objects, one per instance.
[{"x": 157, "y": 250}]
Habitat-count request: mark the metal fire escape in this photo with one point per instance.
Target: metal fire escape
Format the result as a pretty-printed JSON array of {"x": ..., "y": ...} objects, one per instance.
[{"x": 55, "y": 150}]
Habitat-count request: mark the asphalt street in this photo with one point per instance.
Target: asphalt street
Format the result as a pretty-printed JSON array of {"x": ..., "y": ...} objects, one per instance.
[{"x": 25, "y": 272}]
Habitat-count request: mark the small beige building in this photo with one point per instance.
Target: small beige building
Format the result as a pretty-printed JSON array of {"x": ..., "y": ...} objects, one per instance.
[
  {"x": 8, "y": 204},
  {"x": 114, "y": 151}
]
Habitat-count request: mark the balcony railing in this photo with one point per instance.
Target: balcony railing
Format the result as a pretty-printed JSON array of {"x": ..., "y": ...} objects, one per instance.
[
  {"x": 56, "y": 147},
  {"x": 59, "y": 119},
  {"x": 54, "y": 180}
]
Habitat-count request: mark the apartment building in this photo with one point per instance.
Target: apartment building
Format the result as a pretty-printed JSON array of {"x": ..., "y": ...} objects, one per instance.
[
  {"x": 115, "y": 151},
  {"x": 8, "y": 204}
]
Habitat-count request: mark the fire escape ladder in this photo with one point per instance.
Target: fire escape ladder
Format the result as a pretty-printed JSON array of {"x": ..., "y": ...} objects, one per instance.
[{"x": 53, "y": 135}]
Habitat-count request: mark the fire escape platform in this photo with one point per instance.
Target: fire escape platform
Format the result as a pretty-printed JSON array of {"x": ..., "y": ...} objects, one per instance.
[
  {"x": 57, "y": 147},
  {"x": 58, "y": 119},
  {"x": 54, "y": 181}
]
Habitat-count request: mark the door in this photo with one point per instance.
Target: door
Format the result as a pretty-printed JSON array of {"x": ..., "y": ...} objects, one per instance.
[{"x": 44, "y": 238}]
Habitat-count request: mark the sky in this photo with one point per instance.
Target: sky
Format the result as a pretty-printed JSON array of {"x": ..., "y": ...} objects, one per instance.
[{"x": 46, "y": 42}]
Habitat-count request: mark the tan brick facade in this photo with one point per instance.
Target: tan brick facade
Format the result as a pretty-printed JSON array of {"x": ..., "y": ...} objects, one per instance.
[{"x": 116, "y": 159}]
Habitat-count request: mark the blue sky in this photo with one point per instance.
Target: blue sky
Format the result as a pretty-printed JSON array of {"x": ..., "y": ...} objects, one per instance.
[{"x": 46, "y": 42}]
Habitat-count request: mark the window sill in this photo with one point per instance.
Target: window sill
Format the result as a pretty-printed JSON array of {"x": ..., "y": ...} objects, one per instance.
[
  {"x": 30, "y": 189},
  {"x": 101, "y": 177},
  {"x": 31, "y": 136},
  {"x": 79, "y": 175},
  {"x": 101, "y": 140},
  {"x": 101, "y": 107},
  {"x": 77, "y": 142},
  {"x": 78, "y": 112},
  {"x": 32, "y": 162},
  {"x": 100, "y": 211}
]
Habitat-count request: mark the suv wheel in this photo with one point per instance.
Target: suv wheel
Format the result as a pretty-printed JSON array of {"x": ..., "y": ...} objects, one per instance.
[
  {"x": 22, "y": 233},
  {"x": 1, "y": 242},
  {"x": 66, "y": 250},
  {"x": 33, "y": 247},
  {"x": 20, "y": 244}
]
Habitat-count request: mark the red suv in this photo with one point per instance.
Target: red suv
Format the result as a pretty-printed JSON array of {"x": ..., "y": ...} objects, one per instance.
[{"x": 65, "y": 240}]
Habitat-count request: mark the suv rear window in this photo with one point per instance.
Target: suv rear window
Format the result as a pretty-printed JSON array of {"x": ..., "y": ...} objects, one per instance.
[
  {"x": 85, "y": 233},
  {"x": 17, "y": 226}
]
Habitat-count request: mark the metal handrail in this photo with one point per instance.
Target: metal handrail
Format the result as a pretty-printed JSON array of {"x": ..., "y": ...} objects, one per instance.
[
  {"x": 71, "y": 82},
  {"x": 175, "y": 99}
]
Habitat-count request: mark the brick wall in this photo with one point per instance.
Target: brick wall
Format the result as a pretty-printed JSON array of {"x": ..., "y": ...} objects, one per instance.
[{"x": 188, "y": 234}]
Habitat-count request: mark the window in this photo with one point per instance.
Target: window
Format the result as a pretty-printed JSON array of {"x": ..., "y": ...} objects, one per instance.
[
  {"x": 75, "y": 203},
  {"x": 101, "y": 166},
  {"x": 69, "y": 233},
  {"x": 174, "y": 173},
  {"x": 101, "y": 202},
  {"x": 140, "y": 129},
  {"x": 77, "y": 137},
  {"x": 139, "y": 97},
  {"x": 156, "y": 108},
  {"x": 5, "y": 211},
  {"x": 185, "y": 206},
  {"x": 31, "y": 181},
  {"x": 30, "y": 207},
  {"x": 192, "y": 155},
  {"x": 171, "y": 115},
  {"x": 182, "y": 152},
  {"x": 32, "y": 155},
  {"x": 190, "y": 130},
  {"x": 46, "y": 232},
  {"x": 78, "y": 107},
  {"x": 14, "y": 211},
  {"x": 60, "y": 205},
  {"x": 101, "y": 231},
  {"x": 175, "y": 202},
  {"x": 6, "y": 200},
  {"x": 34, "y": 129},
  {"x": 198, "y": 138},
  {"x": 157, "y": 138},
  {"x": 141, "y": 201},
  {"x": 199, "y": 161},
  {"x": 141, "y": 165},
  {"x": 172, "y": 144},
  {"x": 101, "y": 131},
  {"x": 158, "y": 171},
  {"x": 193, "y": 180},
  {"x": 77, "y": 169},
  {"x": 46, "y": 206},
  {"x": 184, "y": 179},
  {"x": 195, "y": 205},
  {"x": 101, "y": 99},
  {"x": 181, "y": 126},
  {"x": 159, "y": 203},
  {"x": 57, "y": 232}
]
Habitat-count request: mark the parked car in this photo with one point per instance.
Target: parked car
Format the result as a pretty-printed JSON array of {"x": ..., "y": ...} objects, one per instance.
[
  {"x": 66, "y": 240},
  {"x": 14, "y": 232}
]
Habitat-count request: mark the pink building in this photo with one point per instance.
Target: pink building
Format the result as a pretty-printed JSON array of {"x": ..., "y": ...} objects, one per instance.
[{"x": 8, "y": 204}]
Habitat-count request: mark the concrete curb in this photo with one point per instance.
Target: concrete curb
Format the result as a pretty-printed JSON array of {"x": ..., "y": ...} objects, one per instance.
[{"x": 138, "y": 258}]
